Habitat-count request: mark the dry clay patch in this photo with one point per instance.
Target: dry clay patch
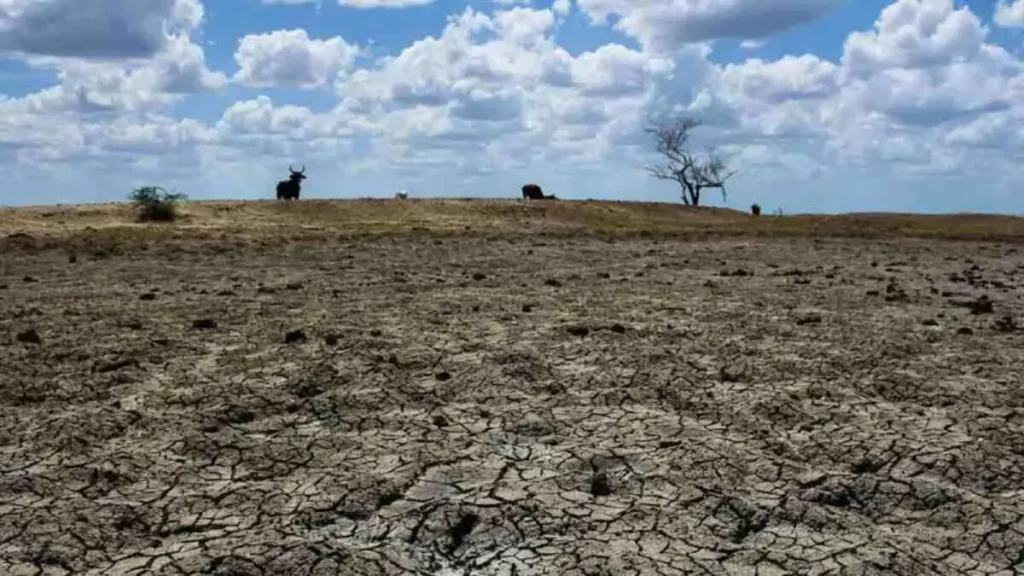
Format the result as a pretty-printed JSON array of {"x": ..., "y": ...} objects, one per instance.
[{"x": 501, "y": 405}]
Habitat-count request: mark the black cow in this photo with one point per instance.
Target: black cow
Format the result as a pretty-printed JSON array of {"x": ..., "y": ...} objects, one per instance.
[
  {"x": 534, "y": 192},
  {"x": 289, "y": 189}
]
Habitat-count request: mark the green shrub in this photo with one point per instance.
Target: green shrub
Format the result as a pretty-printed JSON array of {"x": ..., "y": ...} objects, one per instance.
[
  {"x": 755, "y": 209},
  {"x": 154, "y": 204}
]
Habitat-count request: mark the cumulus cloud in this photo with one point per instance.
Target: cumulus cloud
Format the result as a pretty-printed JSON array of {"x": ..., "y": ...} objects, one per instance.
[
  {"x": 93, "y": 28},
  {"x": 1009, "y": 13},
  {"x": 922, "y": 91},
  {"x": 290, "y": 58},
  {"x": 668, "y": 24},
  {"x": 363, "y": 4}
]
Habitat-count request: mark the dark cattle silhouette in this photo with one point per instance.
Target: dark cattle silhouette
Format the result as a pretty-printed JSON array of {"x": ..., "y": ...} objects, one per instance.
[
  {"x": 534, "y": 192},
  {"x": 289, "y": 189}
]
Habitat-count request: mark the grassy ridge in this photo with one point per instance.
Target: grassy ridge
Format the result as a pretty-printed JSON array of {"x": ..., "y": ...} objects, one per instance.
[{"x": 249, "y": 219}]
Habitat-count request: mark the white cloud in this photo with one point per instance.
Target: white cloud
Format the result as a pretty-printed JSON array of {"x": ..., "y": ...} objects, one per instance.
[
  {"x": 361, "y": 4},
  {"x": 922, "y": 92},
  {"x": 668, "y": 24},
  {"x": 1009, "y": 13},
  {"x": 94, "y": 28},
  {"x": 915, "y": 34},
  {"x": 290, "y": 58}
]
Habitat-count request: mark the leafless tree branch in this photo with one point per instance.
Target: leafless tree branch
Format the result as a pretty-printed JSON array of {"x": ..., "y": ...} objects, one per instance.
[{"x": 693, "y": 174}]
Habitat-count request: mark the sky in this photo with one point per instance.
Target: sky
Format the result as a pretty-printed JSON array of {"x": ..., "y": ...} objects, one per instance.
[{"x": 819, "y": 105}]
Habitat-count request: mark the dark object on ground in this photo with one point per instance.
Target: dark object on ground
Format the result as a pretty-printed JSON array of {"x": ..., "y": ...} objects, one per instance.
[
  {"x": 289, "y": 189},
  {"x": 29, "y": 336},
  {"x": 154, "y": 204},
  {"x": 534, "y": 192}
]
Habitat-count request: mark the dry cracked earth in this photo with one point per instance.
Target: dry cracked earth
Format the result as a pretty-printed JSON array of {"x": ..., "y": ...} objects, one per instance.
[{"x": 512, "y": 405}]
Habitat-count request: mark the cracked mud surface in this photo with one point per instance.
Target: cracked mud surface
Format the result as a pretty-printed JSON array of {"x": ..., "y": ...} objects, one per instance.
[{"x": 513, "y": 406}]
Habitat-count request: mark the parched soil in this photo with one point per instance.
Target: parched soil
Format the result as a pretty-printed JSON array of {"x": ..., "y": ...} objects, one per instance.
[{"x": 496, "y": 404}]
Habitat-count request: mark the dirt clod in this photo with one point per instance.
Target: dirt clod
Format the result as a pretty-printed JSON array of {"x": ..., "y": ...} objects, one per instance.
[
  {"x": 29, "y": 336},
  {"x": 809, "y": 319},
  {"x": 295, "y": 336},
  {"x": 461, "y": 530},
  {"x": 981, "y": 306},
  {"x": 599, "y": 485},
  {"x": 578, "y": 330}
]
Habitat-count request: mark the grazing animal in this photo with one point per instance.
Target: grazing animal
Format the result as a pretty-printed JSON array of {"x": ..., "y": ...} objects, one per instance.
[
  {"x": 289, "y": 189},
  {"x": 402, "y": 195},
  {"x": 534, "y": 192}
]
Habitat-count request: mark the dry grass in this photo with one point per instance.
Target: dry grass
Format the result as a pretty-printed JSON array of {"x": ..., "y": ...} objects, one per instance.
[{"x": 311, "y": 218}]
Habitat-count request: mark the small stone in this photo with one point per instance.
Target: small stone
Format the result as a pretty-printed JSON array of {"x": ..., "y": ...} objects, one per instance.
[
  {"x": 599, "y": 485},
  {"x": 809, "y": 319},
  {"x": 294, "y": 336},
  {"x": 114, "y": 365},
  {"x": 204, "y": 324},
  {"x": 552, "y": 282},
  {"x": 29, "y": 279},
  {"x": 439, "y": 420},
  {"x": 578, "y": 330},
  {"x": 981, "y": 306},
  {"x": 1006, "y": 324},
  {"x": 442, "y": 376},
  {"x": 478, "y": 276},
  {"x": 964, "y": 330},
  {"x": 331, "y": 339},
  {"x": 147, "y": 296},
  {"x": 810, "y": 479},
  {"x": 309, "y": 390},
  {"x": 527, "y": 308},
  {"x": 618, "y": 328},
  {"x": 29, "y": 336}
]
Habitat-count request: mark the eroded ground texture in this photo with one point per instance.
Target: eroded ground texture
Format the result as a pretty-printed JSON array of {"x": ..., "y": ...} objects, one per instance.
[{"x": 513, "y": 406}]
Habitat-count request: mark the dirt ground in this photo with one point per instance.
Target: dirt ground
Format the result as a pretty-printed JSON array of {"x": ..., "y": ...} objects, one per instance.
[{"x": 500, "y": 404}]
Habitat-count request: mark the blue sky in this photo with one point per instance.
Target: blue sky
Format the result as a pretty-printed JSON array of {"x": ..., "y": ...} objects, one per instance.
[{"x": 821, "y": 105}]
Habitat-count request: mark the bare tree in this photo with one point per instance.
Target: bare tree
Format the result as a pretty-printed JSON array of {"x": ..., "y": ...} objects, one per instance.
[{"x": 693, "y": 174}]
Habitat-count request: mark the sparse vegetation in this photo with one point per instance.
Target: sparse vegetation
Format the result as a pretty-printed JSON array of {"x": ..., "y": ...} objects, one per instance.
[
  {"x": 154, "y": 204},
  {"x": 693, "y": 174},
  {"x": 755, "y": 209},
  {"x": 112, "y": 225}
]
